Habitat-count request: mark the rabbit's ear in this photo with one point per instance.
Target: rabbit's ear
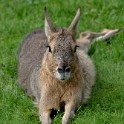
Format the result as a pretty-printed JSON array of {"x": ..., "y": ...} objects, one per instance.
[
  {"x": 108, "y": 33},
  {"x": 49, "y": 26},
  {"x": 90, "y": 35},
  {"x": 73, "y": 26}
]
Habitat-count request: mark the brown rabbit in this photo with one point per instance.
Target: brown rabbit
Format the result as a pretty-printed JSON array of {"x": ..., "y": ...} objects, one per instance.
[
  {"x": 54, "y": 71},
  {"x": 87, "y": 38}
]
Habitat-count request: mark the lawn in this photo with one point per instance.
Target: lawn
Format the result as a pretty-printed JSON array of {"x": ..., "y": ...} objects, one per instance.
[{"x": 18, "y": 18}]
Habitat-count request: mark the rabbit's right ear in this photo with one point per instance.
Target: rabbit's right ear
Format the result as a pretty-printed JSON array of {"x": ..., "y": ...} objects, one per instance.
[{"x": 49, "y": 26}]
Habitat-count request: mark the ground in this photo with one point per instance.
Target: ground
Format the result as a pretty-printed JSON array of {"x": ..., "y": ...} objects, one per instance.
[{"x": 18, "y": 18}]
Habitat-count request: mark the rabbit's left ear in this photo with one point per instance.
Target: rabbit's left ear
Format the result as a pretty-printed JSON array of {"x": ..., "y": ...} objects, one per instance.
[{"x": 73, "y": 26}]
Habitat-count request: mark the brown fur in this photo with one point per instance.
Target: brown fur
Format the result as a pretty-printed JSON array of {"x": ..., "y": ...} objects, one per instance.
[
  {"x": 30, "y": 57},
  {"x": 37, "y": 66}
]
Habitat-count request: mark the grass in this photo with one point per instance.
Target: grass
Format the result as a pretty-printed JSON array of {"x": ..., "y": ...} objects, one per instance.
[{"x": 18, "y": 18}]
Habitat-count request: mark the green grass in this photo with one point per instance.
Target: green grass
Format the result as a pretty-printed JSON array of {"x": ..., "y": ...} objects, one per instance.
[{"x": 17, "y": 18}]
